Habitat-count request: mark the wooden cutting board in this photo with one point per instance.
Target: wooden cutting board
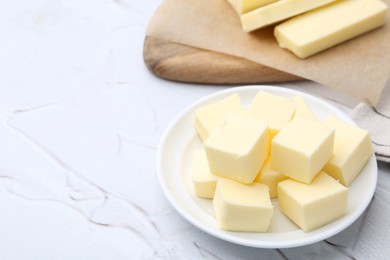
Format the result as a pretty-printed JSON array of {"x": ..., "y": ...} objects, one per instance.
[{"x": 177, "y": 62}]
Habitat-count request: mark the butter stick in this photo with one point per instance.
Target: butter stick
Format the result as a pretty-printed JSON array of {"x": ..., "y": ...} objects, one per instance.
[
  {"x": 244, "y": 6},
  {"x": 277, "y": 12},
  {"x": 317, "y": 30}
]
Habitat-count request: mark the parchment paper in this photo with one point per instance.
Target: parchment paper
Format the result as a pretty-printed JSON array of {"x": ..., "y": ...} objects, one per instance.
[{"x": 359, "y": 68}]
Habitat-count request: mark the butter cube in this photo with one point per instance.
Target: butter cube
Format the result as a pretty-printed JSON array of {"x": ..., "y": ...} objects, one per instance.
[
  {"x": 238, "y": 148},
  {"x": 313, "y": 205},
  {"x": 271, "y": 178},
  {"x": 303, "y": 109},
  {"x": 209, "y": 117},
  {"x": 278, "y": 11},
  {"x": 203, "y": 180},
  {"x": 242, "y": 207},
  {"x": 352, "y": 149},
  {"x": 302, "y": 149},
  {"x": 330, "y": 25},
  {"x": 244, "y": 6},
  {"x": 275, "y": 110}
]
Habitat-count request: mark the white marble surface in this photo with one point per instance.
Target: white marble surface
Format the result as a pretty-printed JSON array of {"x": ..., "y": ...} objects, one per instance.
[{"x": 80, "y": 121}]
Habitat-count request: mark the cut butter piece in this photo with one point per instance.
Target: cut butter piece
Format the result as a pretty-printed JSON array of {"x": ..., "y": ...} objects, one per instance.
[
  {"x": 302, "y": 149},
  {"x": 278, "y": 11},
  {"x": 271, "y": 178},
  {"x": 208, "y": 118},
  {"x": 303, "y": 109},
  {"x": 277, "y": 111},
  {"x": 238, "y": 148},
  {"x": 352, "y": 149},
  {"x": 313, "y": 205},
  {"x": 203, "y": 180},
  {"x": 242, "y": 207},
  {"x": 244, "y": 6},
  {"x": 330, "y": 25}
]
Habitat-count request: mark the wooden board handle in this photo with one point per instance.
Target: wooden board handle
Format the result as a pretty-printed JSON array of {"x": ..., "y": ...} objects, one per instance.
[{"x": 178, "y": 62}]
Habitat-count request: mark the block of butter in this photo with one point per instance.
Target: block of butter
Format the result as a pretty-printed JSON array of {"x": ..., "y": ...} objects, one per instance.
[
  {"x": 244, "y": 6},
  {"x": 303, "y": 109},
  {"x": 302, "y": 148},
  {"x": 242, "y": 207},
  {"x": 204, "y": 182},
  {"x": 313, "y": 205},
  {"x": 277, "y": 12},
  {"x": 352, "y": 149},
  {"x": 277, "y": 111},
  {"x": 208, "y": 118},
  {"x": 238, "y": 148},
  {"x": 271, "y": 178},
  {"x": 330, "y": 25}
]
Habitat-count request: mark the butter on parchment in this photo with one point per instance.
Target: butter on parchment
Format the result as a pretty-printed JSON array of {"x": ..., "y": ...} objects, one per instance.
[
  {"x": 277, "y": 12},
  {"x": 327, "y": 26},
  {"x": 244, "y": 6}
]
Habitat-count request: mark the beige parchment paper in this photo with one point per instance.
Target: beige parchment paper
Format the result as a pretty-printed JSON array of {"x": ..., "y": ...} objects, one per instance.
[{"x": 359, "y": 68}]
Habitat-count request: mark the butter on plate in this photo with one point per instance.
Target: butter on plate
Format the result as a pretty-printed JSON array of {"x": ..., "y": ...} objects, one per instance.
[
  {"x": 271, "y": 178},
  {"x": 242, "y": 207},
  {"x": 313, "y": 205},
  {"x": 302, "y": 148},
  {"x": 204, "y": 181},
  {"x": 303, "y": 109},
  {"x": 208, "y": 118},
  {"x": 277, "y": 111},
  {"x": 307, "y": 170},
  {"x": 238, "y": 148},
  {"x": 352, "y": 149}
]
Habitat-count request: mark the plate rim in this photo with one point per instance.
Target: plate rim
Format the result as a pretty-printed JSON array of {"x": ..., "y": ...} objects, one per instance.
[{"x": 227, "y": 235}]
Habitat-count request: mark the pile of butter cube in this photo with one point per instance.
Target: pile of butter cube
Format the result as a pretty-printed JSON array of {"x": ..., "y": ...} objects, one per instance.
[
  {"x": 275, "y": 148},
  {"x": 306, "y": 27}
]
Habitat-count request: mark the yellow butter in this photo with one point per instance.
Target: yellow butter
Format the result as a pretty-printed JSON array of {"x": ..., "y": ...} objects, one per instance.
[
  {"x": 303, "y": 109},
  {"x": 271, "y": 178},
  {"x": 277, "y": 111},
  {"x": 208, "y": 118},
  {"x": 302, "y": 148},
  {"x": 244, "y": 6},
  {"x": 238, "y": 148},
  {"x": 278, "y": 11},
  {"x": 330, "y": 25},
  {"x": 352, "y": 149},
  {"x": 204, "y": 182},
  {"x": 313, "y": 205},
  {"x": 242, "y": 207}
]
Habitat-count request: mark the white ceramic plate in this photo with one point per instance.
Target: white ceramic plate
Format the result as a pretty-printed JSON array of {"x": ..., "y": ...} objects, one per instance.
[{"x": 174, "y": 163}]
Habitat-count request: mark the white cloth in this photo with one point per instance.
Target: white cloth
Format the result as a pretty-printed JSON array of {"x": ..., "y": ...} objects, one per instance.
[{"x": 377, "y": 121}]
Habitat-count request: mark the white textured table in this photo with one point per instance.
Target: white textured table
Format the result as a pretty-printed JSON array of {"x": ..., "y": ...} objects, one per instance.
[{"x": 80, "y": 120}]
